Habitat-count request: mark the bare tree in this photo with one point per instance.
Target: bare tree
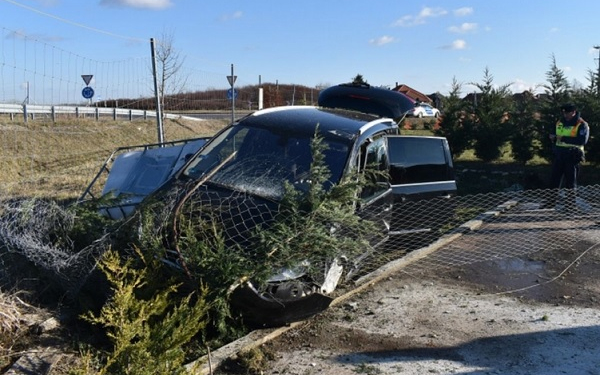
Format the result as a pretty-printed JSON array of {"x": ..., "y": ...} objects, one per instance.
[{"x": 169, "y": 63}]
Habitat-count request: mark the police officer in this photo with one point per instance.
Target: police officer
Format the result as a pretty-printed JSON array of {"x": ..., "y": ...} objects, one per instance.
[{"x": 570, "y": 135}]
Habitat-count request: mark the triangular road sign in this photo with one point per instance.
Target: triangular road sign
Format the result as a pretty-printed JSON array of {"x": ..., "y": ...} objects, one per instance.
[
  {"x": 231, "y": 80},
  {"x": 87, "y": 78}
]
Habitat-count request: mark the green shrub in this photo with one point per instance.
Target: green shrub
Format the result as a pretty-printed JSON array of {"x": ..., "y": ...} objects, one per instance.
[{"x": 148, "y": 329}]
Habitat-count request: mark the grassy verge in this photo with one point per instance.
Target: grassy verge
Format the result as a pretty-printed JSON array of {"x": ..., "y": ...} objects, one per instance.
[{"x": 59, "y": 159}]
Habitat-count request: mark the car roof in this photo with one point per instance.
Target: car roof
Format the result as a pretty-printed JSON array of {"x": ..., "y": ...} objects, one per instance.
[
  {"x": 304, "y": 119},
  {"x": 367, "y": 99}
]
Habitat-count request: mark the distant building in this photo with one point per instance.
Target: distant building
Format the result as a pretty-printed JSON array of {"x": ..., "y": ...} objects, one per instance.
[
  {"x": 415, "y": 95},
  {"x": 473, "y": 98},
  {"x": 436, "y": 99}
]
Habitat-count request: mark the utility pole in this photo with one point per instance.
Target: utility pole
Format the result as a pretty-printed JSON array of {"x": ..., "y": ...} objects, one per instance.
[
  {"x": 159, "y": 122},
  {"x": 598, "y": 74},
  {"x": 26, "y": 101}
]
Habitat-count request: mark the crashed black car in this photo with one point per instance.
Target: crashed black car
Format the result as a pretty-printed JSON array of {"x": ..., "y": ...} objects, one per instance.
[{"x": 245, "y": 169}]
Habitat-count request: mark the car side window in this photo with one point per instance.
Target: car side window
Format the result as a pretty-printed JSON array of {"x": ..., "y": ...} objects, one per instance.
[
  {"x": 374, "y": 165},
  {"x": 418, "y": 160}
]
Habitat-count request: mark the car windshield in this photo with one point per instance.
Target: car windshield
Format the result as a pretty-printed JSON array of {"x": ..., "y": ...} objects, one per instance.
[{"x": 258, "y": 161}]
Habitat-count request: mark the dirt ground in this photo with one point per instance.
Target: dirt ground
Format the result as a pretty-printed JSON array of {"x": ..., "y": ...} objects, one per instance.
[{"x": 535, "y": 314}]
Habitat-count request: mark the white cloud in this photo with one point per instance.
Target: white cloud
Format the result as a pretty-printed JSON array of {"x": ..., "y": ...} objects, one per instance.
[
  {"x": 464, "y": 28},
  {"x": 519, "y": 85},
  {"x": 405, "y": 21},
  {"x": 456, "y": 45},
  {"x": 431, "y": 12},
  {"x": 381, "y": 40},
  {"x": 461, "y": 12},
  {"x": 232, "y": 16},
  {"x": 149, "y": 4},
  {"x": 421, "y": 18},
  {"x": 459, "y": 44}
]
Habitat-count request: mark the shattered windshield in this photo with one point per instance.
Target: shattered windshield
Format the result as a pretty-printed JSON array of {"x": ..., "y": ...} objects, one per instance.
[{"x": 258, "y": 160}]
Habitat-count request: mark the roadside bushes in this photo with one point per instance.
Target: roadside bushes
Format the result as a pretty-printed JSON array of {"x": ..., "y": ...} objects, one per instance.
[
  {"x": 454, "y": 124},
  {"x": 148, "y": 328},
  {"x": 490, "y": 119}
]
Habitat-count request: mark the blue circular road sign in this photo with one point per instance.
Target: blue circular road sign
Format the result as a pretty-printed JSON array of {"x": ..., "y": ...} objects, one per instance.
[
  {"x": 87, "y": 92},
  {"x": 232, "y": 93}
]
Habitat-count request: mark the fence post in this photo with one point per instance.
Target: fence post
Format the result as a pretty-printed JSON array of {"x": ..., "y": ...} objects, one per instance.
[
  {"x": 97, "y": 114},
  {"x": 53, "y": 113},
  {"x": 130, "y": 115},
  {"x": 76, "y": 112},
  {"x": 114, "y": 114},
  {"x": 25, "y": 113}
]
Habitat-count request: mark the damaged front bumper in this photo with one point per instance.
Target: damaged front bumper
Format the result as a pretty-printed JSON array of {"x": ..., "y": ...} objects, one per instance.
[
  {"x": 265, "y": 310},
  {"x": 284, "y": 300}
]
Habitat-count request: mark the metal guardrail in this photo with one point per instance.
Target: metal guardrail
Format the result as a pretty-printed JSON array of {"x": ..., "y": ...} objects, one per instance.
[{"x": 29, "y": 111}]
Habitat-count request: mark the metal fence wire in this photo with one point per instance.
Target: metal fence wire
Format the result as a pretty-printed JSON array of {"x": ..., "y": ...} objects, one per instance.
[{"x": 467, "y": 229}]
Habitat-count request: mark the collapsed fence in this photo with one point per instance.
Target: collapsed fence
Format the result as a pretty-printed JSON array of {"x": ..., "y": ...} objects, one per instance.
[
  {"x": 46, "y": 168},
  {"x": 509, "y": 224}
]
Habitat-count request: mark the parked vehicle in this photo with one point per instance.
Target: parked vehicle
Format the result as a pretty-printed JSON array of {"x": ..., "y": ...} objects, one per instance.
[
  {"x": 423, "y": 110},
  {"x": 247, "y": 163}
]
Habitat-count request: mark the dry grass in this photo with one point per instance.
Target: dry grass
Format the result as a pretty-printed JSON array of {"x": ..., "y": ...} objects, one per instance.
[
  {"x": 13, "y": 329},
  {"x": 10, "y": 314},
  {"x": 59, "y": 160}
]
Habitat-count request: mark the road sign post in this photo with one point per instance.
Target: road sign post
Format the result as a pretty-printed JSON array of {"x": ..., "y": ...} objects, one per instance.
[
  {"x": 232, "y": 93},
  {"x": 87, "y": 91}
]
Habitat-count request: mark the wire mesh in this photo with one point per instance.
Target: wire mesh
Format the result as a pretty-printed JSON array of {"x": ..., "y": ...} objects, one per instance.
[
  {"x": 516, "y": 224},
  {"x": 482, "y": 227}
]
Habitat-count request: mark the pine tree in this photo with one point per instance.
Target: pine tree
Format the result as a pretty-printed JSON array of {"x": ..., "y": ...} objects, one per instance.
[
  {"x": 489, "y": 121},
  {"x": 523, "y": 128},
  {"x": 557, "y": 92},
  {"x": 453, "y": 124}
]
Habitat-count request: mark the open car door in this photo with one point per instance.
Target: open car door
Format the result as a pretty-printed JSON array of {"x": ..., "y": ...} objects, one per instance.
[{"x": 420, "y": 167}]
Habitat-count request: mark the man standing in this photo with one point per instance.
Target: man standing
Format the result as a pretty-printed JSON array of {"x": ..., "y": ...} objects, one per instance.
[{"x": 570, "y": 135}]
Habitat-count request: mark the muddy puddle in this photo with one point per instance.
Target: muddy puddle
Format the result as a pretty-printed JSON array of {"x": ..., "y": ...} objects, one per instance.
[{"x": 547, "y": 281}]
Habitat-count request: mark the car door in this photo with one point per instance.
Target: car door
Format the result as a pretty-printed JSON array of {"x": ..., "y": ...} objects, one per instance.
[
  {"x": 422, "y": 180},
  {"x": 420, "y": 167},
  {"x": 376, "y": 197}
]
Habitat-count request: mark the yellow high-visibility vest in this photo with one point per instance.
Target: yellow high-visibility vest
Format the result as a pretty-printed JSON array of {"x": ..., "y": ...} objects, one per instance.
[{"x": 567, "y": 131}]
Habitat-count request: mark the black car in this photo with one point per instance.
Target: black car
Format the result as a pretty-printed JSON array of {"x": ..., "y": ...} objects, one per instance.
[{"x": 243, "y": 172}]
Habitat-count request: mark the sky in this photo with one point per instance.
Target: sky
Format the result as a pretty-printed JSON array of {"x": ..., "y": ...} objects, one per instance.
[{"x": 424, "y": 44}]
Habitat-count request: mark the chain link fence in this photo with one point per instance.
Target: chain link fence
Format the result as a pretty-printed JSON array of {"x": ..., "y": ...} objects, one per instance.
[{"x": 463, "y": 229}]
